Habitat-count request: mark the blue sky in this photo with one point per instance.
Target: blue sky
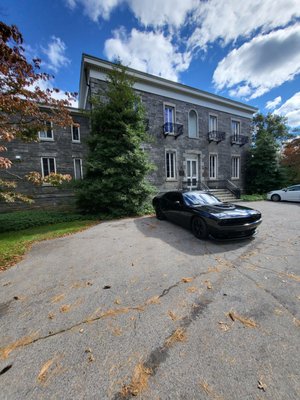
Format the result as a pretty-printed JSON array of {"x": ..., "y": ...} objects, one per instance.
[{"x": 247, "y": 50}]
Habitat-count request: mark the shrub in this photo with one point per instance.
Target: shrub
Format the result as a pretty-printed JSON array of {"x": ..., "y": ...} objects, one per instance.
[{"x": 19, "y": 220}]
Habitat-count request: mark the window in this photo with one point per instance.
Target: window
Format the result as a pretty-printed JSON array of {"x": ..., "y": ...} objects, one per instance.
[
  {"x": 47, "y": 134},
  {"x": 235, "y": 167},
  {"x": 213, "y": 166},
  {"x": 48, "y": 166},
  {"x": 171, "y": 165},
  {"x": 193, "y": 124},
  {"x": 169, "y": 116},
  {"x": 236, "y": 129},
  {"x": 213, "y": 123},
  {"x": 293, "y": 188},
  {"x": 78, "y": 168},
  {"x": 75, "y": 133}
]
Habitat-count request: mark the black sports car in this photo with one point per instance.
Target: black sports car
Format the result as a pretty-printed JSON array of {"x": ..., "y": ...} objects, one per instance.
[{"x": 205, "y": 215}]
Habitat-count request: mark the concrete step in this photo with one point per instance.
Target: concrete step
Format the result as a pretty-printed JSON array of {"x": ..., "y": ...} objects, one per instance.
[{"x": 224, "y": 195}]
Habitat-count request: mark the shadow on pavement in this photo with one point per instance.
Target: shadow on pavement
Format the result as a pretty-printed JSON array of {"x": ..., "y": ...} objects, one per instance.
[{"x": 183, "y": 240}]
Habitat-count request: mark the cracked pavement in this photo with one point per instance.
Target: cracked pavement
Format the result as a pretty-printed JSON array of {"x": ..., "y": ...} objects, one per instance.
[{"x": 202, "y": 319}]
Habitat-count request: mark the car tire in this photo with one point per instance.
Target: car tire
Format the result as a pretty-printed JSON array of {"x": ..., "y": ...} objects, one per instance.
[
  {"x": 159, "y": 213},
  {"x": 199, "y": 228},
  {"x": 275, "y": 197}
]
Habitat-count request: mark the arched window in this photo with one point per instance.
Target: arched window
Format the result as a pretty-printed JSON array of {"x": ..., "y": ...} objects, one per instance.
[{"x": 193, "y": 124}]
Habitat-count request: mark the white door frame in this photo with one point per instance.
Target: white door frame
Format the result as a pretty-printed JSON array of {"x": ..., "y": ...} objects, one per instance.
[{"x": 190, "y": 174}]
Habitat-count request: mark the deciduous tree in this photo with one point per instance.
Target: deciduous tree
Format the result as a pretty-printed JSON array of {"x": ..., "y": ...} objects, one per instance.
[
  {"x": 24, "y": 106},
  {"x": 291, "y": 159}
]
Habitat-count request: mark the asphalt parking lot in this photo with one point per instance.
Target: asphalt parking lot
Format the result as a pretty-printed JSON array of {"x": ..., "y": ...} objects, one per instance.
[{"x": 139, "y": 308}]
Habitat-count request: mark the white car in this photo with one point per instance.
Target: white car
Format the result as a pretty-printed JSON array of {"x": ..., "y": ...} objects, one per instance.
[{"x": 291, "y": 193}]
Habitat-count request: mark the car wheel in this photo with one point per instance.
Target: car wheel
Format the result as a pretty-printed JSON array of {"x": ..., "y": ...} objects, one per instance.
[
  {"x": 159, "y": 213},
  {"x": 275, "y": 197},
  {"x": 199, "y": 228}
]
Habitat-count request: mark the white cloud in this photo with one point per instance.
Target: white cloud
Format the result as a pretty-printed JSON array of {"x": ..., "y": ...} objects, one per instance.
[
  {"x": 291, "y": 110},
  {"x": 55, "y": 52},
  {"x": 228, "y": 20},
  {"x": 158, "y": 13},
  {"x": 155, "y": 13},
  {"x": 273, "y": 103},
  {"x": 95, "y": 9},
  {"x": 45, "y": 85},
  {"x": 265, "y": 62},
  {"x": 147, "y": 51}
]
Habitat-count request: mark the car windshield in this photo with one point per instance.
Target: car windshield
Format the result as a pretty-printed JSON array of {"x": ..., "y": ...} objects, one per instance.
[{"x": 197, "y": 198}]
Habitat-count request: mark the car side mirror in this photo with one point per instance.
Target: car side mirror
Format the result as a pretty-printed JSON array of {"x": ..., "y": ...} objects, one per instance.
[
  {"x": 284, "y": 189},
  {"x": 177, "y": 202}
]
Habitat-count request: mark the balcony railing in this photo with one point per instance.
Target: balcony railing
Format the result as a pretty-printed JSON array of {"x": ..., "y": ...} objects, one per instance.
[
  {"x": 239, "y": 140},
  {"x": 216, "y": 136},
  {"x": 170, "y": 128}
]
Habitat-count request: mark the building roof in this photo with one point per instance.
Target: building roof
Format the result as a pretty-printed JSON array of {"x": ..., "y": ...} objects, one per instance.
[{"x": 93, "y": 67}]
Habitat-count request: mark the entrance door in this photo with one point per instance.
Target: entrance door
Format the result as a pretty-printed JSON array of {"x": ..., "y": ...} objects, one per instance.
[{"x": 192, "y": 173}]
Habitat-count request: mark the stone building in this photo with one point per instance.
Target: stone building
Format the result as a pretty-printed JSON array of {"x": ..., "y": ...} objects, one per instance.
[
  {"x": 61, "y": 150},
  {"x": 198, "y": 139}
]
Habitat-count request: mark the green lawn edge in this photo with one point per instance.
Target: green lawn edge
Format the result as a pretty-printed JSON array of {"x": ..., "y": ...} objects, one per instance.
[{"x": 14, "y": 245}]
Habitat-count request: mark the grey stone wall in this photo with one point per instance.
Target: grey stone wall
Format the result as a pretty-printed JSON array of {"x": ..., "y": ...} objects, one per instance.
[
  {"x": 26, "y": 157},
  {"x": 64, "y": 151},
  {"x": 187, "y": 147}
]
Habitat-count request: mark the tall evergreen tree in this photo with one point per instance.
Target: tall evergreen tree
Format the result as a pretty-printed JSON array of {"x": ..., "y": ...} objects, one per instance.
[
  {"x": 117, "y": 165},
  {"x": 263, "y": 171}
]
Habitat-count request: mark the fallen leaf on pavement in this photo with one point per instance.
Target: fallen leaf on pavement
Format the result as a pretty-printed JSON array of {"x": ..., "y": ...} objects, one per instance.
[
  {"x": 49, "y": 369},
  {"x": 261, "y": 386},
  {"x": 245, "y": 321},
  {"x": 65, "y": 308},
  {"x": 209, "y": 391},
  {"x": 57, "y": 298},
  {"x": 223, "y": 326},
  {"x": 187, "y": 280},
  {"x": 5, "y": 351},
  {"x": 43, "y": 372},
  {"x": 208, "y": 284},
  {"x": 153, "y": 300},
  {"x": 192, "y": 289},
  {"x": 296, "y": 321},
  {"x": 173, "y": 316},
  {"x": 291, "y": 276},
  {"x": 139, "y": 381},
  {"x": 178, "y": 335}
]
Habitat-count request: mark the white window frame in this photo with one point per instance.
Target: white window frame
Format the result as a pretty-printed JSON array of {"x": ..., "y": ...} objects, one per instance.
[
  {"x": 42, "y": 165},
  {"x": 209, "y": 124},
  {"x": 81, "y": 171},
  {"x": 173, "y": 175},
  {"x": 236, "y": 135},
  {"x": 215, "y": 168},
  {"x": 170, "y": 105},
  {"x": 235, "y": 167},
  {"x": 197, "y": 132},
  {"x": 72, "y": 133},
  {"x": 45, "y": 131}
]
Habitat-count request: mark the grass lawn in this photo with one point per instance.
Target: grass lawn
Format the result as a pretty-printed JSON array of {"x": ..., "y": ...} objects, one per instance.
[
  {"x": 13, "y": 245},
  {"x": 253, "y": 197}
]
